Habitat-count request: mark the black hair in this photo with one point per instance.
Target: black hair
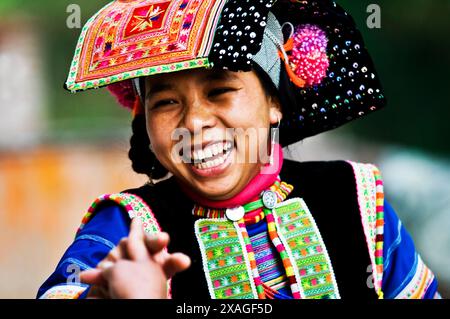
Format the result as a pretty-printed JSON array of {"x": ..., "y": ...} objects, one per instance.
[{"x": 143, "y": 160}]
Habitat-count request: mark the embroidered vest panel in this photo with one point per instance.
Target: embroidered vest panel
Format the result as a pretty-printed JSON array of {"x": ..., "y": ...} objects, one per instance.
[
  {"x": 305, "y": 245},
  {"x": 228, "y": 270},
  {"x": 226, "y": 265},
  {"x": 329, "y": 189}
]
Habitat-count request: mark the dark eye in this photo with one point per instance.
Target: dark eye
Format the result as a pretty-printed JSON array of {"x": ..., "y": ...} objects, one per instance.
[
  {"x": 163, "y": 103},
  {"x": 219, "y": 91}
]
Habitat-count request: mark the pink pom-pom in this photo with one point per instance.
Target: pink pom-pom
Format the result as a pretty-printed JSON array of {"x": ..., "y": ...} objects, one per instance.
[
  {"x": 124, "y": 93},
  {"x": 308, "y": 58}
]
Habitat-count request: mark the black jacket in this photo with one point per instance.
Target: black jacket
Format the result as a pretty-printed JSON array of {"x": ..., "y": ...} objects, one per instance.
[{"x": 329, "y": 191}]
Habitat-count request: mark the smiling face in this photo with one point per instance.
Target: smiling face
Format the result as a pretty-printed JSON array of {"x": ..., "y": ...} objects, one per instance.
[{"x": 213, "y": 160}]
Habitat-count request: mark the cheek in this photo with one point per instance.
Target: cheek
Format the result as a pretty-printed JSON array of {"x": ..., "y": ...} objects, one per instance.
[
  {"x": 248, "y": 112},
  {"x": 159, "y": 132}
]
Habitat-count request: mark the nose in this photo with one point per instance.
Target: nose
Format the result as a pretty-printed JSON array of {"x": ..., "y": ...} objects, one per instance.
[{"x": 198, "y": 115}]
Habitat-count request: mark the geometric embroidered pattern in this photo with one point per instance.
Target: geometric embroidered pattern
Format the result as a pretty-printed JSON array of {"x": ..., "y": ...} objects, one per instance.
[
  {"x": 241, "y": 242},
  {"x": 133, "y": 205},
  {"x": 226, "y": 266},
  {"x": 419, "y": 283},
  {"x": 64, "y": 292},
  {"x": 132, "y": 38},
  {"x": 370, "y": 194},
  {"x": 301, "y": 237},
  {"x": 227, "y": 259}
]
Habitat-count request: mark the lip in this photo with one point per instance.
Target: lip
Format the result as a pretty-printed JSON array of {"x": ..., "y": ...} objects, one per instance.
[{"x": 216, "y": 170}]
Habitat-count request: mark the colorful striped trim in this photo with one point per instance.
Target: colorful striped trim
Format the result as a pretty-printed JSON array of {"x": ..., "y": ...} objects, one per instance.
[
  {"x": 210, "y": 232},
  {"x": 252, "y": 260},
  {"x": 284, "y": 255},
  {"x": 64, "y": 292},
  {"x": 208, "y": 39},
  {"x": 135, "y": 207},
  {"x": 295, "y": 236},
  {"x": 270, "y": 270},
  {"x": 369, "y": 187},
  {"x": 281, "y": 189},
  {"x": 147, "y": 71},
  {"x": 417, "y": 287}
]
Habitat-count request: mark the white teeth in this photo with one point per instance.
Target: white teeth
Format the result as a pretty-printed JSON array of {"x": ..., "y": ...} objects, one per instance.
[
  {"x": 215, "y": 149},
  {"x": 210, "y": 151},
  {"x": 227, "y": 146},
  {"x": 201, "y": 155}
]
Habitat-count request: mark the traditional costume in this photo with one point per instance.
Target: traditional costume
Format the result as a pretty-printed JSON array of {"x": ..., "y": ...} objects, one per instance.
[{"x": 311, "y": 230}]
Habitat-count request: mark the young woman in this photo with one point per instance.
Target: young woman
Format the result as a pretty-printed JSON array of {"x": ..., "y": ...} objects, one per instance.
[{"x": 217, "y": 88}]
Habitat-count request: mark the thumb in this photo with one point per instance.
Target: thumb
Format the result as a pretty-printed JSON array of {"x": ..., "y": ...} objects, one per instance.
[
  {"x": 176, "y": 263},
  {"x": 92, "y": 277}
]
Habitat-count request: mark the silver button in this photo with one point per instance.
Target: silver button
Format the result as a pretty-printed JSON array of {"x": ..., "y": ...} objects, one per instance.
[
  {"x": 235, "y": 214},
  {"x": 269, "y": 199}
]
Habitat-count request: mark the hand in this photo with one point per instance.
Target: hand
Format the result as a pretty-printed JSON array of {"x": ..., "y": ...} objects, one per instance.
[{"x": 137, "y": 268}]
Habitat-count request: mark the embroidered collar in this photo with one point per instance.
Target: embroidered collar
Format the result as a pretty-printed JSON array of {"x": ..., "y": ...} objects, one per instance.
[{"x": 251, "y": 212}]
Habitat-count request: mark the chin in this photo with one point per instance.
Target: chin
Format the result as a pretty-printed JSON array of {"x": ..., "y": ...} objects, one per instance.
[{"x": 217, "y": 188}]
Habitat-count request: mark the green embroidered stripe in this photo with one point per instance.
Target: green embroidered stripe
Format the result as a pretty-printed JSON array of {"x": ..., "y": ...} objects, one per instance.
[
  {"x": 211, "y": 244},
  {"x": 253, "y": 205},
  {"x": 223, "y": 255},
  {"x": 303, "y": 239}
]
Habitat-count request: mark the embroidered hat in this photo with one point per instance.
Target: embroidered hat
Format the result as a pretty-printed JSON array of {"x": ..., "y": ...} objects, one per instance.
[{"x": 310, "y": 50}]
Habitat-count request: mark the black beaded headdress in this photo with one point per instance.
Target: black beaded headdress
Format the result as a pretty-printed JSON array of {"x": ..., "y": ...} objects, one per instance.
[{"x": 326, "y": 78}]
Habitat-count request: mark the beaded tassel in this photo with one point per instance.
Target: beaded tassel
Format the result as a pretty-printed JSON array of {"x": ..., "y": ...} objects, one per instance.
[
  {"x": 273, "y": 234},
  {"x": 379, "y": 239},
  {"x": 252, "y": 260}
]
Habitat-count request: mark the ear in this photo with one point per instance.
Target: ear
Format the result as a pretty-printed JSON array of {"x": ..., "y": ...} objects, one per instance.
[{"x": 275, "y": 113}]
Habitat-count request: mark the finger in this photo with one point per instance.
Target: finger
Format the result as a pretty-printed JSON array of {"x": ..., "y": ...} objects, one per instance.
[
  {"x": 155, "y": 243},
  {"x": 176, "y": 263},
  {"x": 122, "y": 249},
  {"x": 105, "y": 264},
  {"x": 92, "y": 277},
  {"x": 136, "y": 246},
  {"x": 115, "y": 254}
]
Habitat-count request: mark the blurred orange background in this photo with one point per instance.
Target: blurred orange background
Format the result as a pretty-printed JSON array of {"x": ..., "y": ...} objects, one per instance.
[{"x": 44, "y": 193}]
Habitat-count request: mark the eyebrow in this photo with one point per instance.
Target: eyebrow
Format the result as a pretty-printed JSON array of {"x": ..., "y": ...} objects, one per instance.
[
  {"x": 221, "y": 75},
  {"x": 158, "y": 87}
]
